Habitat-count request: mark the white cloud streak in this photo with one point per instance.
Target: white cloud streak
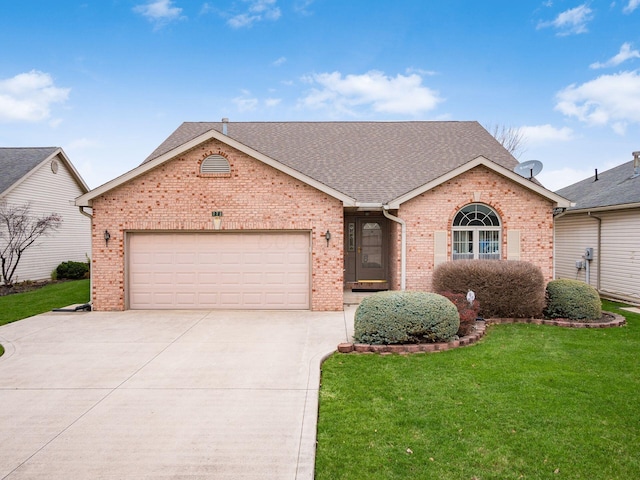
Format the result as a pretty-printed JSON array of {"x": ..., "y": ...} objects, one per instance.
[
  {"x": 570, "y": 22},
  {"x": 607, "y": 100},
  {"x": 28, "y": 97},
  {"x": 631, "y": 6},
  {"x": 374, "y": 90},
  {"x": 623, "y": 55},
  {"x": 257, "y": 11},
  {"x": 544, "y": 134},
  {"x": 159, "y": 12}
]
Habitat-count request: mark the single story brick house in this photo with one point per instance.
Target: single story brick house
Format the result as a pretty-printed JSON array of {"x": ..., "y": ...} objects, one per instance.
[
  {"x": 286, "y": 215},
  {"x": 597, "y": 239}
]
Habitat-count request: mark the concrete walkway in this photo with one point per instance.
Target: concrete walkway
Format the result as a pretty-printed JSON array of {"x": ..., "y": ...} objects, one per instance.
[{"x": 177, "y": 394}]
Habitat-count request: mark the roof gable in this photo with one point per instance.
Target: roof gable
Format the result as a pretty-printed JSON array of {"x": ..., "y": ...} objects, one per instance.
[
  {"x": 614, "y": 187},
  {"x": 17, "y": 164}
]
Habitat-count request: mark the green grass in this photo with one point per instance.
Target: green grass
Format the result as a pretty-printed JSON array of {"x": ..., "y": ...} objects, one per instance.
[
  {"x": 57, "y": 295},
  {"x": 527, "y": 402}
]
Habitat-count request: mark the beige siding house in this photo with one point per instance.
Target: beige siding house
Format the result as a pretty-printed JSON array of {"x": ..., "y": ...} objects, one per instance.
[
  {"x": 287, "y": 215},
  {"x": 606, "y": 219},
  {"x": 46, "y": 180}
]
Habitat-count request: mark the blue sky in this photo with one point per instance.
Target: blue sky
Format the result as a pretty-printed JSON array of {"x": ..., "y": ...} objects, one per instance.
[{"x": 109, "y": 80}]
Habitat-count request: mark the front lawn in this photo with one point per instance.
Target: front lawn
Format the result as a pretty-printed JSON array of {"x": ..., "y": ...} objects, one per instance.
[
  {"x": 56, "y": 295},
  {"x": 527, "y": 402}
]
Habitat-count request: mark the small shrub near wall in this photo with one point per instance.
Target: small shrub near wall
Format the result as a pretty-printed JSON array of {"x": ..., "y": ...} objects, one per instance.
[
  {"x": 504, "y": 288},
  {"x": 468, "y": 311},
  {"x": 388, "y": 318},
  {"x": 572, "y": 299},
  {"x": 72, "y": 270}
]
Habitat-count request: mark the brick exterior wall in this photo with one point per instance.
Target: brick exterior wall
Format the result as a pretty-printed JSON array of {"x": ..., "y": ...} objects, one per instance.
[
  {"x": 254, "y": 197},
  {"x": 519, "y": 209}
]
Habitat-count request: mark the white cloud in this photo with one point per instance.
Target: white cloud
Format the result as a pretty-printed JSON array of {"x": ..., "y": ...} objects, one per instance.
[
  {"x": 542, "y": 134},
  {"x": 572, "y": 21},
  {"x": 609, "y": 99},
  {"x": 272, "y": 102},
  {"x": 159, "y": 12},
  {"x": 29, "y": 96},
  {"x": 623, "y": 55},
  {"x": 257, "y": 11},
  {"x": 245, "y": 102},
  {"x": 383, "y": 94},
  {"x": 279, "y": 61},
  {"x": 556, "y": 179},
  {"x": 302, "y": 6},
  {"x": 631, "y": 6}
]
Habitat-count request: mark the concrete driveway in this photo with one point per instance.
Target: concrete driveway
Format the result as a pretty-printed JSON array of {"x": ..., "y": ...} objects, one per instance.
[{"x": 176, "y": 394}]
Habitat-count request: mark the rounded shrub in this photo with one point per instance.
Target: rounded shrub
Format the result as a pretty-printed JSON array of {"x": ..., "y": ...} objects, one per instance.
[
  {"x": 405, "y": 317},
  {"x": 572, "y": 299},
  {"x": 72, "y": 270}
]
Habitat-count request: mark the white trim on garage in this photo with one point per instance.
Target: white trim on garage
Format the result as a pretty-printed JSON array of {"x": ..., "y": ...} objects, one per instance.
[{"x": 219, "y": 270}]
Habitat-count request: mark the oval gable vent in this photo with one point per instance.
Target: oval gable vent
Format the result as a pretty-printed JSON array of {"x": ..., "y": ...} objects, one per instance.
[{"x": 215, "y": 164}]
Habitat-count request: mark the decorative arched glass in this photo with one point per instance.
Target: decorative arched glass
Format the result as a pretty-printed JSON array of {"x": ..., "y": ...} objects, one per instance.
[{"x": 476, "y": 233}]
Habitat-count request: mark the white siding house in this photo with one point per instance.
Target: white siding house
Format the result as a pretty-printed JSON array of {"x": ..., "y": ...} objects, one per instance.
[
  {"x": 45, "y": 179},
  {"x": 606, "y": 218}
]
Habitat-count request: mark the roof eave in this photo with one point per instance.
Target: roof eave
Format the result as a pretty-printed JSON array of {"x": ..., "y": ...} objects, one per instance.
[
  {"x": 87, "y": 199},
  {"x": 607, "y": 208},
  {"x": 480, "y": 160}
]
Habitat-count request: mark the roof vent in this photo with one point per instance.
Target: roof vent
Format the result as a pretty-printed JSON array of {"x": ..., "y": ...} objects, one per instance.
[
  {"x": 225, "y": 125},
  {"x": 636, "y": 164}
]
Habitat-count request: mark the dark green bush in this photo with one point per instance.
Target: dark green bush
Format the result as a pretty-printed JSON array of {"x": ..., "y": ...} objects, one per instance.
[
  {"x": 572, "y": 299},
  {"x": 72, "y": 270},
  {"x": 405, "y": 317},
  {"x": 468, "y": 312},
  {"x": 504, "y": 288}
]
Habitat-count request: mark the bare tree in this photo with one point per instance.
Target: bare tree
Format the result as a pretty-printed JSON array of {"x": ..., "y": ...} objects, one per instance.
[
  {"x": 18, "y": 231},
  {"x": 511, "y": 138}
]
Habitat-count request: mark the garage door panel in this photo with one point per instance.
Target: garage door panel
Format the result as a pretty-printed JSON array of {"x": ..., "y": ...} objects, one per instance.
[{"x": 219, "y": 270}]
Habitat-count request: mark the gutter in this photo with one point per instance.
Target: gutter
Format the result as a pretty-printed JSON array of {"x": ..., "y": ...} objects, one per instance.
[
  {"x": 403, "y": 253},
  {"x": 599, "y": 262},
  {"x": 88, "y": 306}
]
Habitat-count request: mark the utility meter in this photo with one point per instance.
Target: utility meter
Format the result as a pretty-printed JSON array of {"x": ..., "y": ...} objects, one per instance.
[{"x": 588, "y": 254}]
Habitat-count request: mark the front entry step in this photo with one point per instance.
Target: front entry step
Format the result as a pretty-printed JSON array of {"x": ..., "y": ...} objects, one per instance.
[{"x": 374, "y": 285}]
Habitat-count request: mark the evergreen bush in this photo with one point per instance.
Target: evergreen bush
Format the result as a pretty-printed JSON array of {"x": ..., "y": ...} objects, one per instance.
[
  {"x": 405, "y": 317},
  {"x": 572, "y": 299},
  {"x": 504, "y": 288},
  {"x": 72, "y": 270}
]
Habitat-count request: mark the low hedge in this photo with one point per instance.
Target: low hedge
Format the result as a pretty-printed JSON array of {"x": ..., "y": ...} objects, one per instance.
[
  {"x": 573, "y": 300},
  {"x": 504, "y": 288},
  {"x": 394, "y": 317},
  {"x": 72, "y": 270}
]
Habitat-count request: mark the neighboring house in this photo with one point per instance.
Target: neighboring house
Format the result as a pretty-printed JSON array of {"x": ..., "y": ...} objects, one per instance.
[
  {"x": 289, "y": 214},
  {"x": 606, "y": 219},
  {"x": 45, "y": 179}
]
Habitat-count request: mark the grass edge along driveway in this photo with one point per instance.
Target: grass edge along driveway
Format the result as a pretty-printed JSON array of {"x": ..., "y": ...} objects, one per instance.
[
  {"x": 527, "y": 402},
  {"x": 56, "y": 295}
]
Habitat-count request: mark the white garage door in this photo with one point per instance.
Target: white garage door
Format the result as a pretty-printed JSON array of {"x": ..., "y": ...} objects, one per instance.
[{"x": 218, "y": 270}]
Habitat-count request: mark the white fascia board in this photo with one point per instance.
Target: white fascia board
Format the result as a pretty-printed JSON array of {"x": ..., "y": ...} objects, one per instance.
[
  {"x": 499, "y": 169},
  {"x": 61, "y": 153},
  {"x": 85, "y": 200},
  {"x": 608, "y": 208}
]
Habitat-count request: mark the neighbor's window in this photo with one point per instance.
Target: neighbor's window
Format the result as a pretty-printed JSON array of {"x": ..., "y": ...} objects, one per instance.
[
  {"x": 476, "y": 233},
  {"x": 215, "y": 164}
]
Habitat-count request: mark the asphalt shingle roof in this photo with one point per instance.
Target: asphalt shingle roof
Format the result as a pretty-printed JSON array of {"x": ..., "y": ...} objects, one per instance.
[
  {"x": 15, "y": 163},
  {"x": 617, "y": 186},
  {"x": 368, "y": 161}
]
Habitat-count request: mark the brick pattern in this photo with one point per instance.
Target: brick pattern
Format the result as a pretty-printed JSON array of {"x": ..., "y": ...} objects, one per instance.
[
  {"x": 518, "y": 208},
  {"x": 175, "y": 197}
]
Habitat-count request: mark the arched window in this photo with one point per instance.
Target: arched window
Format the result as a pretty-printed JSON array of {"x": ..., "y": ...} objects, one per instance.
[
  {"x": 215, "y": 164},
  {"x": 477, "y": 233}
]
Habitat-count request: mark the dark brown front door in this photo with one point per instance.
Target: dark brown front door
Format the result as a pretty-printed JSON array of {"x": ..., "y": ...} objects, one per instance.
[{"x": 366, "y": 249}]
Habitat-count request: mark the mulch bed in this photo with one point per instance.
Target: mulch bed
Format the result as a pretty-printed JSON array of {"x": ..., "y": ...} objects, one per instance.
[{"x": 23, "y": 287}]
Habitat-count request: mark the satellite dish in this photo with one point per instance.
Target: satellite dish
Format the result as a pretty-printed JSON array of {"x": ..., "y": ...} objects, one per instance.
[{"x": 528, "y": 169}]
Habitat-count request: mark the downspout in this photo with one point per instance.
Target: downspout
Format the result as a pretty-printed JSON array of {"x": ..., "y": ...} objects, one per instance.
[
  {"x": 599, "y": 219},
  {"x": 81, "y": 208},
  {"x": 403, "y": 249}
]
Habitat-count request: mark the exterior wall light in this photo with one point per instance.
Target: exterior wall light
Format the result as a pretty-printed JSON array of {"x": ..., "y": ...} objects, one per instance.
[
  {"x": 217, "y": 220},
  {"x": 107, "y": 236},
  {"x": 327, "y": 236}
]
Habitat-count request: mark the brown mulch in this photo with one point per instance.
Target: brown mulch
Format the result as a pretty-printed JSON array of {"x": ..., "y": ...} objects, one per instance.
[{"x": 23, "y": 287}]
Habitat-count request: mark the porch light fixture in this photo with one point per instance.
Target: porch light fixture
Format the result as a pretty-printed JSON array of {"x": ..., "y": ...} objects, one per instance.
[
  {"x": 217, "y": 219},
  {"x": 327, "y": 236},
  {"x": 107, "y": 236}
]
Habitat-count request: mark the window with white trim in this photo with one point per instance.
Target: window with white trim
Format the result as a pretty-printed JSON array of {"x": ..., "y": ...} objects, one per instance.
[{"x": 477, "y": 233}]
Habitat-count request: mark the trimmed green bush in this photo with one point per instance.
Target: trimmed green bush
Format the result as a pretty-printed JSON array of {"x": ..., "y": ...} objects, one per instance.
[
  {"x": 572, "y": 299},
  {"x": 405, "y": 317},
  {"x": 72, "y": 270},
  {"x": 504, "y": 288}
]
